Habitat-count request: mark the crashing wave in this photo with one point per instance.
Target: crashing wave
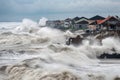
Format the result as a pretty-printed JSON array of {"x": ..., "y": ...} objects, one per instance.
[{"x": 30, "y": 52}]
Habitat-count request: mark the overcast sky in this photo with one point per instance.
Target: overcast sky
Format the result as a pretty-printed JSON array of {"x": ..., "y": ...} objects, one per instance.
[{"x": 16, "y": 10}]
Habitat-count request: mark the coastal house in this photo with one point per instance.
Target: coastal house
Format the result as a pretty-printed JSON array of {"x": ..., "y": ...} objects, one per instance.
[
  {"x": 93, "y": 23},
  {"x": 59, "y": 24},
  {"x": 82, "y": 23},
  {"x": 110, "y": 23},
  {"x": 67, "y": 23}
]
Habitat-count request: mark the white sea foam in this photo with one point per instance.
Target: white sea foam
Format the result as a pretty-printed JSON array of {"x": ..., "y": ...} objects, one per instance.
[
  {"x": 31, "y": 52},
  {"x": 27, "y": 26},
  {"x": 42, "y": 21}
]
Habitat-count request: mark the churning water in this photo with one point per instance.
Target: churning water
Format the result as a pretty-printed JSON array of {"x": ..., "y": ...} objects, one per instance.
[{"x": 31, "y": 52}]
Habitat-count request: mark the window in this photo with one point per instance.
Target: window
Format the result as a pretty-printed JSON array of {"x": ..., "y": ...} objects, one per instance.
[
  {"x": 113, "y": 27},
  {"x": 80, "y": 26}
]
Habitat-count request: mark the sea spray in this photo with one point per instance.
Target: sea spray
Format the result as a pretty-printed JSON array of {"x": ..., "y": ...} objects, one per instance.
[
  {"x": 42, "y": 21},
  {"x": 31, "y": 52},
  {"x": 56, "y": 36},
  {"x": 112, "y": 43},
  {"x": 27, "y": 26}
]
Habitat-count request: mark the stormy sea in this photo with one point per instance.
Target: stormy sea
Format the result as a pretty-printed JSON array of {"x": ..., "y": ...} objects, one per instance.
[{"x": 31, "y": 52}]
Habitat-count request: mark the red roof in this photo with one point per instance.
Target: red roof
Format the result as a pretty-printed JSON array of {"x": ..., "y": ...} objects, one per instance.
[
  {"x": 106, "y": 19},
  {"x": 99, "y": 21}
]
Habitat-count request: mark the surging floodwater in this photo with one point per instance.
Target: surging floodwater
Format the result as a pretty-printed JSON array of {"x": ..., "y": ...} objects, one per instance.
[{"x": 31, "y": 52}]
